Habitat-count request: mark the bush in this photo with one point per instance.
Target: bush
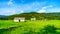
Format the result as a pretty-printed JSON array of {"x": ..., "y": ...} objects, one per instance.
[{"x": 49, "y": 30}]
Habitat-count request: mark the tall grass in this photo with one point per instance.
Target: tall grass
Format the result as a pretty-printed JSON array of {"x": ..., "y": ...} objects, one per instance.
[{"x": 29, "y": 27}]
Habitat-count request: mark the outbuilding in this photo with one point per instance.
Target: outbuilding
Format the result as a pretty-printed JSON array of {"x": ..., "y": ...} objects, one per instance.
[{"x": 32, "y": 19}]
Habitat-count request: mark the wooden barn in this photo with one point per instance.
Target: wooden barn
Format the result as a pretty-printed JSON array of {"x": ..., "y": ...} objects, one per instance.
[{"x": 19, "y": 19}]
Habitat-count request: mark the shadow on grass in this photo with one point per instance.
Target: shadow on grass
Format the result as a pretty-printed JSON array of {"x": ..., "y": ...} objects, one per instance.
[
  {"x": 49, "y": 29},
  {"x": 8, "y": 30},
  {"x": 46, "y": 30}
]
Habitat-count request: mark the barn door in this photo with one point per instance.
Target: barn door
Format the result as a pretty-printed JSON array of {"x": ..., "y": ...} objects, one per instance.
[{"x": 19, "y": 20}]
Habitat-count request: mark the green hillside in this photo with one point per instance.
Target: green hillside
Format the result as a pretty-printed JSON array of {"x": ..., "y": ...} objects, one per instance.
[{"x": 39, "y": 16}]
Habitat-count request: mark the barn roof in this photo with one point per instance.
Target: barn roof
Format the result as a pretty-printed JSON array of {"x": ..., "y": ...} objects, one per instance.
[{"x": 19, "y": 18}]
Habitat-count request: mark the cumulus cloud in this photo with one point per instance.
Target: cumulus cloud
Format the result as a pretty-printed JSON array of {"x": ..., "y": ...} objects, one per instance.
[
  {"x": 11, "y": 12},
  {"x": 35, "y": 3},
  {"x": 26, "y": 7},
  {"x": 21, "y": 11},
  {"x": 44, "y": 7},
  {"x": 10, "y": 2},
  {"x": 43, "y": 10},
  {"x": 50, "y": 6},
  {"x": 7, "y": 12},
  {"x": 54, "y": 10}
]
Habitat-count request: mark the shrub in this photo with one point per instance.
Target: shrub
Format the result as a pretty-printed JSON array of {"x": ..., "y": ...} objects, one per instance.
[{"x": 49, "y": 30}]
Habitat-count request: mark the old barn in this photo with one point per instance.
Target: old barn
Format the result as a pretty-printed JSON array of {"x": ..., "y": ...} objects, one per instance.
[{"x": 19, "y": 19}]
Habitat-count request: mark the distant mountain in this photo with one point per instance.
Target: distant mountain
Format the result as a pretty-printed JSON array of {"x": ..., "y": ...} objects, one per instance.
[{"x": 2, "y": 16}]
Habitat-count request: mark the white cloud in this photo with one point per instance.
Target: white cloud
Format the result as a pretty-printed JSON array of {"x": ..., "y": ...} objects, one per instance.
[
  {"x": 7, "y": 11},
  {"x": 54, "y": 10},
  {"x": 35, "y": 3},
  {"x": 41, "y": 11},
  {"x": 44, "y": 7},
  {"x": 10, "y": 12},
  {"x": 50, "y": 6},
  {"x": 21, "y": 11},
  {"x": 10, "y": 3}
]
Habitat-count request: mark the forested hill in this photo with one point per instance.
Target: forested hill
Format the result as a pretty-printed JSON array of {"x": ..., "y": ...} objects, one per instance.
[
  {"x": 2, "y": 16},
  {"x": 36, "y": 15}
]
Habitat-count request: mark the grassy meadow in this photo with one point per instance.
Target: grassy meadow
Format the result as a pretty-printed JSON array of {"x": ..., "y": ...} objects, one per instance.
[{"x": 28, "y": 27}]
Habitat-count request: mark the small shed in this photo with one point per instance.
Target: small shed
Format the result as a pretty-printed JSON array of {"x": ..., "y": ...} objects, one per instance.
[
  {"x": 32, "y": 19},
  {"x": 19, "y": 19}
]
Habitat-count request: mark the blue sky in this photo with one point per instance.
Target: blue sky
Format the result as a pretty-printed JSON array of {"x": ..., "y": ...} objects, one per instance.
[{"x": 10, "y": 7}]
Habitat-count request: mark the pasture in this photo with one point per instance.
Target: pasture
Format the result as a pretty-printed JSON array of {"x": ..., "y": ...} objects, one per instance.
[{"x": 11, "y": 27}]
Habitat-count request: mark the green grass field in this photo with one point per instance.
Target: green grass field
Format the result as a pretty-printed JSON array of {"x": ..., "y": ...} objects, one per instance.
[{"x": 11, "y": 27}]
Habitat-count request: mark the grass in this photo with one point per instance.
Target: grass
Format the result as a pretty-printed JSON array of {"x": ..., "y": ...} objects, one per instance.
[{"x": 11, "y": 27}]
